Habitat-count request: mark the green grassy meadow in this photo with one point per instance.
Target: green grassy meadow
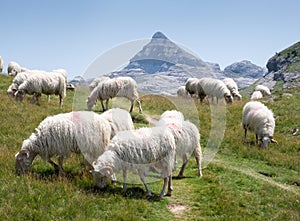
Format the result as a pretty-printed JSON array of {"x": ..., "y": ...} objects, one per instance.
[{"x": 242, "y": 182}]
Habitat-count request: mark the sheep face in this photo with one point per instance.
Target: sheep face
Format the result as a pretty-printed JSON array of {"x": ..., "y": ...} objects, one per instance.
[
  {"x": 23, "y": 161},
  {"x": 266, "y": 139},
  {"x": 20, "y": 95},
  {"x": 100, "y": 173},
  {"x": 228, "y": 98},
  {"x": 237, "y": 97}
]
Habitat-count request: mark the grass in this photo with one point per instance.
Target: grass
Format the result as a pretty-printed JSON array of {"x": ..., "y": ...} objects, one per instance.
[{"x": 242, "y": 182}]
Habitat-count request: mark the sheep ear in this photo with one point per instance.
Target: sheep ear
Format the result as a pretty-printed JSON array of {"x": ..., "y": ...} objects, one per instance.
[
  {"x": 274, "y": 141},
  {"x": 107, "y": 171}
]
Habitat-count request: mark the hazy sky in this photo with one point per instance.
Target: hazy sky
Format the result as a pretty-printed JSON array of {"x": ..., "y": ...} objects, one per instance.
[{"x": 49, "y": 34}]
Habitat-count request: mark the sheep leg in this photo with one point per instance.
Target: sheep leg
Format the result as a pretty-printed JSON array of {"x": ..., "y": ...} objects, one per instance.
[
  {"x": 256, "y": 139},
  {"x": 56, "y": 167},
  {"x": 103, "y": 109},
  {"x": 60, "y": 100},
  {"x": 131, "y": 107},
  {"x": 48, "y": 98},
  {"x": 170, "y": 187},
  {"x": 140, "y": 106},
  {"x": 245, "y": 135},
  {"x": 142, "y": 177},
  {"x": 184, "y": 163},
  {"x": 106, "y": 104},
  {"x": 197, "y": 153},
  {"x": 124, "y": 180},
  {"x": 162, "y": 193}
]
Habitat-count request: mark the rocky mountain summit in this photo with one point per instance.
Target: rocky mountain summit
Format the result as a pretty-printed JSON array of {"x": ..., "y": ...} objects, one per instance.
[
  {"x": 161, "y": 66},
  {"x": 283, "y": 68}
]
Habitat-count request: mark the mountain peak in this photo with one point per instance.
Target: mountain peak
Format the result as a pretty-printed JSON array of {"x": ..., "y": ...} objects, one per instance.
[{"x": 159, "y": 35}]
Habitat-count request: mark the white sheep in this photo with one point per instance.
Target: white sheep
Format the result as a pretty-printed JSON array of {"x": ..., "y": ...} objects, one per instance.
[
  {"x": 60, "y": 135},
  {"x": 14, "y": 68},
  {"x": 1, "y": 64},
  {"x": 138, "y": 150},
  {"x": 116, "y": 87},
  {"x": 182, "y": 92},
  {"x": 260, "y": 120},
  {"x": 118, "y": 119},
  {"x": 256, "y": 95},
  {"x": 96, "y": 81},
  {"x": 263, "y": 89},
  {"x": 213, "y": 88},
  {"x": 46, "y": 83},
  {"x": 233, "y": 88},
  {"x": 186, "y": 135}
]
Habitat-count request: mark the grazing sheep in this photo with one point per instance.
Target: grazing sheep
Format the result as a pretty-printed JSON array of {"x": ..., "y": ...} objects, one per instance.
[
  {"x": 256, "y": 95},
  {"x": 14, "y": 68},
  {"x": 118, "y": 119},
  {"x": 96, "y": 81},
  {"x": 186, "y": 135},
  {"x": 18, "y": 80},
  {"x": 46, "y": 83},
  {"x": 182, "y": 92},
  {"x": 263, "y": 89},
  {"x": 116, "y": 87},
  {"x": 213, "y": 88},
  {"x": 233, "y": 88},
  {"x": 60, "y": 135},
  {"x": 1, "y": 64},
  {"x": 138, "y": 150},
  {"x": 260, "y": 120}
]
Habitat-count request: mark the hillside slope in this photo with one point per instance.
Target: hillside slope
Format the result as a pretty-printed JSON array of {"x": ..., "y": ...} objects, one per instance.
[{"x": 283, "y": 68}]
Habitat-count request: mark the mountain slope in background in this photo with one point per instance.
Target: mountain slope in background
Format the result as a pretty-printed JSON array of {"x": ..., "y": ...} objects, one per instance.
[
  {"x": 161, "y": 66},
  {"x": 283, "y": 68}
]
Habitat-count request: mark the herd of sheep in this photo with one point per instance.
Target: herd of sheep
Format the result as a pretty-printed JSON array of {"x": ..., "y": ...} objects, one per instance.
[{"x": 110, "y": 143}]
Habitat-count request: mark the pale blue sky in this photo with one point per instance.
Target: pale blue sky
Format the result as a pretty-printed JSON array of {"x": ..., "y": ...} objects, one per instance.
[{"x": 49, "y": 34}]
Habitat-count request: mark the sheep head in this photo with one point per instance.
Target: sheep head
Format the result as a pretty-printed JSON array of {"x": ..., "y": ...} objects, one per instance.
[
  {"x": 100, "y": 173},
  {"x": 20, "y": 94},
  {"x": 90, "y": 103},
  {"x": 228, "y": 98},
  {"x": 266, "y": 139},
  {"x": 23, "y": 161}
]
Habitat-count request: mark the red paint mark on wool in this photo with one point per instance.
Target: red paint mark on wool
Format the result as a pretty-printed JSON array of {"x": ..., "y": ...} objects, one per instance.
[{"x": 76, "y": 118}]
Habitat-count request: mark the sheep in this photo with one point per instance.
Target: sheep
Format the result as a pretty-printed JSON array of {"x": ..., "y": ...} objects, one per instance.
[
  {"x": 186, "y": 136},
  {"x": 116, "y": 87},
  {"x": 138, "y": 150},
  {"x": 46, "y": 83},
  {"x": 14, "y": 68},
  {"x": 18, "y": 80},
  {"x": 60, "y": 135},
  {"x": 232, "y": 86},
  {"x": 182, "y": 92},
  {"x": 1, "y": 64},
  {"x": 263, "y": 89},
  {"x": 213, "y": 88},
  {"x": 118, "y": 119},
  {"x": 96, "y": 81},
  {"x": 260, "y": 120},
  {"x": 256, "y": 95}
]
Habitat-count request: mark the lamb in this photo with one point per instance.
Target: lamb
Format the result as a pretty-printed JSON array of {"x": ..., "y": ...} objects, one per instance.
[
  {"x": 260, "y": 120},
  {"x": 96, "y": 81},
  {"x": 1, "y": 64},
  {"x": 138, "y": 150},
  {"x": 182, "y": 92},
  {"x": 116, "y": 87},
  {"x": 186, "y": 136},
  {"x": 14, "y": 68},
  {"x": 213, "y": 88},
  {"x": 60, "y": 135},
  {"x": 232, "y": 86},
  {"x": 46, "y": 83},
  {"x": 118, "y": 119},
  {"x": 256, "y": 95},
  {"x": 263, "y": 89}
]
